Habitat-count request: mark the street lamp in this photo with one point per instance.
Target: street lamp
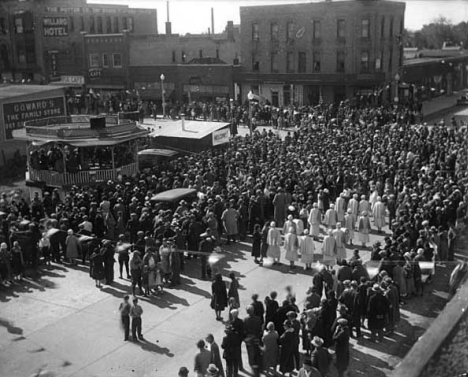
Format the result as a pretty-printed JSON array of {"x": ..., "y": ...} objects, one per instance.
[
  {"x": 250, "y": 97},
  {"x": 162, "y": 77},
  {"x": 397, "y": 80}
]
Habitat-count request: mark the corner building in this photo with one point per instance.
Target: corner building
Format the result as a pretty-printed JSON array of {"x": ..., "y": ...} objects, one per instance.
[{"x": 331, "y": 50}]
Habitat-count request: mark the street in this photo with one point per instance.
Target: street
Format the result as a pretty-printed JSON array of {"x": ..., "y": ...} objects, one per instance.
[{"x": 61, "y": 322}]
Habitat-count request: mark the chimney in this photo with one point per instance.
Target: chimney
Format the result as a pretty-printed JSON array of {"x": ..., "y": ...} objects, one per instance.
[
  {"x": 168, "y": 22},
  {"x": 212, "y": 21}
]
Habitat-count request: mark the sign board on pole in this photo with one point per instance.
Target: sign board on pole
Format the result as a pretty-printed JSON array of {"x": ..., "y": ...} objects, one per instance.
[
  {"x": 221, "y": 136},
  {"x": 16, "y": 113}
]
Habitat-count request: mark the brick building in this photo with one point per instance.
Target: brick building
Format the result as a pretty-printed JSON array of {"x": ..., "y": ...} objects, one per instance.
[
  {"x": 42, "y": 40},
  {"x": 334, "y": 49},
  {"x": 196, "y": 67}
]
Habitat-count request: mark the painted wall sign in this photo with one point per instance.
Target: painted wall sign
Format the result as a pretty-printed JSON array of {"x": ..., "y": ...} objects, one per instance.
[
  {"x": 55, "y": 26},
  {"x": 16, "y": 113}
]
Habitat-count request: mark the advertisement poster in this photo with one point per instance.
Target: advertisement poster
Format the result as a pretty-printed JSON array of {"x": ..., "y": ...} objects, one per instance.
[{"x": 16, "y": 113}]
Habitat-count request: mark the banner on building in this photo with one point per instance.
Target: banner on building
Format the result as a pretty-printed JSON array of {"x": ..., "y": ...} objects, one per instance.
[
  {"x": 16, "y": 113},
  {"x": 55, "y": 26},
  {"x": 221, "y": 136}
]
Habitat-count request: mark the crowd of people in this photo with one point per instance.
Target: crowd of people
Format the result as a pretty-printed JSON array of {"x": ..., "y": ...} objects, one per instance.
[{"x": 339, "y": 176}]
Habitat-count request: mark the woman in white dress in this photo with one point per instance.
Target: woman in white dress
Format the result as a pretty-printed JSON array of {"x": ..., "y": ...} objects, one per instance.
[
  {"x": 329, "y": 249},
  {"x": 364, "y": 228},
  {"x": 331, "y": 217},
  {"x": 315, "y": 218},
  {"x": 307, "y": 249},
  {"x": 291, "y": 246},
  {"x": 349, "y": 224},
  {"x": 274, "y": 243},
  {"x": 378, "y": 212}
]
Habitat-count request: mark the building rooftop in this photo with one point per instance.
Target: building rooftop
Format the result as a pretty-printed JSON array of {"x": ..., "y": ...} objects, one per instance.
[{"x": 193, "y": 129}]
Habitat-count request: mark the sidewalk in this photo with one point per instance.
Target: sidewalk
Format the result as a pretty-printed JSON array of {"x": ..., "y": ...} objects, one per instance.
[{"x": 432, "y": 107}]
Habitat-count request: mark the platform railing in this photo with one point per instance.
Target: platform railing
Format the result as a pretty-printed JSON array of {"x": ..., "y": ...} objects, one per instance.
[{"x": 53, "y": 178}]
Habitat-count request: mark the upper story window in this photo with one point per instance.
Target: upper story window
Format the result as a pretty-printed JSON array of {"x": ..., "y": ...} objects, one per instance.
[
  {"x": 19, "y": 27},
  {"x": 364, "y": 61},
  {"x": 182, "y": 56},
  {"x": 301, "y": 62},
  {"x": 341, "y": 29},
  {"x": 255, "y": 32},
  {"x": 82, "y": 24},
  {"x": 274, "y": 31},
  {"x": 94, "y": 60},
  {"x": 316, "y": 64},
  {"x": 340, "y": 61},
  {"x": 255, "y": 62},
  {"x": 71, "y": 24},
  {"x": 317, "y": 29},
  {"x": 105, "y": 60},
  {"x": 274, "y": 62},
  {"x": 130, "y": 23},
  {"x": 391, "y": 28},
  {"x": 365, "y": 28},
  {"x": 117, "y": 60},
  {"x": 92, "y": 27},
  {"x": 99, "y": 24},
  {"x": 108, "y": 25},
  {"x": 116, "y": 25},
  {"x": 3, "y": 27},
  {"x": 173, "y": 56}
]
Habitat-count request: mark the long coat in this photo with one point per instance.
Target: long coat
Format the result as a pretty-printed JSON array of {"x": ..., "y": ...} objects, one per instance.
[
  {"x": 274, "y": 242},
  {"x": 256, "y": 244},
  {"x": 341, "y": 338},
  {"x": 271, "y": 353},
  {"x": 219, "y": 300},
  {"x": 96, "y": 266},
  {"x": 288, "y": 345},
  {"x": 280, "y": 203},
  {"x": 72, "y": 246},
  {"x": 306, "y": 248},
  {"x": 291, "y": 246},
  {"x": 315, "y": 218},
  {"x": 377, "y": 309},
  {"x": 229, "y": 218}
]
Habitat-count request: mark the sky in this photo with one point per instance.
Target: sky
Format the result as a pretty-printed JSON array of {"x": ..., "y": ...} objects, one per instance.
[{"x": 193, "y": 16}]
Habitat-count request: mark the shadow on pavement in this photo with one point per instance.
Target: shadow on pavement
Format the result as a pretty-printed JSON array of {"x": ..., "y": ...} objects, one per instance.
[
  {"x": 146, "y": 345},
  {"x": 10, "y": 327}
]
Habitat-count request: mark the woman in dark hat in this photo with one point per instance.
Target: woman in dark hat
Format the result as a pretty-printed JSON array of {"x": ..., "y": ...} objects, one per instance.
[
  {"x": 341, "y": 338},
  {"x": 219, "y": 298}
]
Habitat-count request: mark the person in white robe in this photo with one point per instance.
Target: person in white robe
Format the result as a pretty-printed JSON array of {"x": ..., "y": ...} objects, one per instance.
[
  {"x": 373, "y": 196},
  {"x": 274, "y": 243},
  {"x": 350, "y": 224},
  {"x": 291, "y": 245},
  {"x": 288, "y": 224},
  {"x": 353, "y": 205},
  {"x": 299, "y": 227},
  {"x": 378, "y": 212},
  {"x": 364, "y": 228},
  {"x": 340, "y": 237},
  {"x": 315, "y": 219},
  {"x": 307, "y": 249},
  {"x": 340, "y": 207},
  {"x": 329, "y": 249},
  {"x": 364, "y": 205},
  {"x": 331, "y": 218}
]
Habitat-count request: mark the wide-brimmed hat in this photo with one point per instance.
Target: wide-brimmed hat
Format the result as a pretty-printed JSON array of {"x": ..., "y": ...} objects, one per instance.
[
  {"x": 317, "y": 341},
  {"x": 212, "y": 370}
]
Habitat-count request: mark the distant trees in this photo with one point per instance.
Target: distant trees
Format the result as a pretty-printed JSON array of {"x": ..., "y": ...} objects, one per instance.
[{"x": 433, "y": 35}]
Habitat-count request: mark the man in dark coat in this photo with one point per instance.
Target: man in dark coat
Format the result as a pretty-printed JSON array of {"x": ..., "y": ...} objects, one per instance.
[
  {"x": 252, "y": 330},
  {"x": 281, "y": 316},
  {"x": 341, "y": 339},
  {"x": 377, "y": 309},
  {"x": 206, "y": 247},
  {"x": 238, "y": 327},
  {"x": 232, "y": 351}
]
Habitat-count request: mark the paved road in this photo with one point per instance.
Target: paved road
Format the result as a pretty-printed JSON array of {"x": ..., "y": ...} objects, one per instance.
[{"x": 63, "y": 323}]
